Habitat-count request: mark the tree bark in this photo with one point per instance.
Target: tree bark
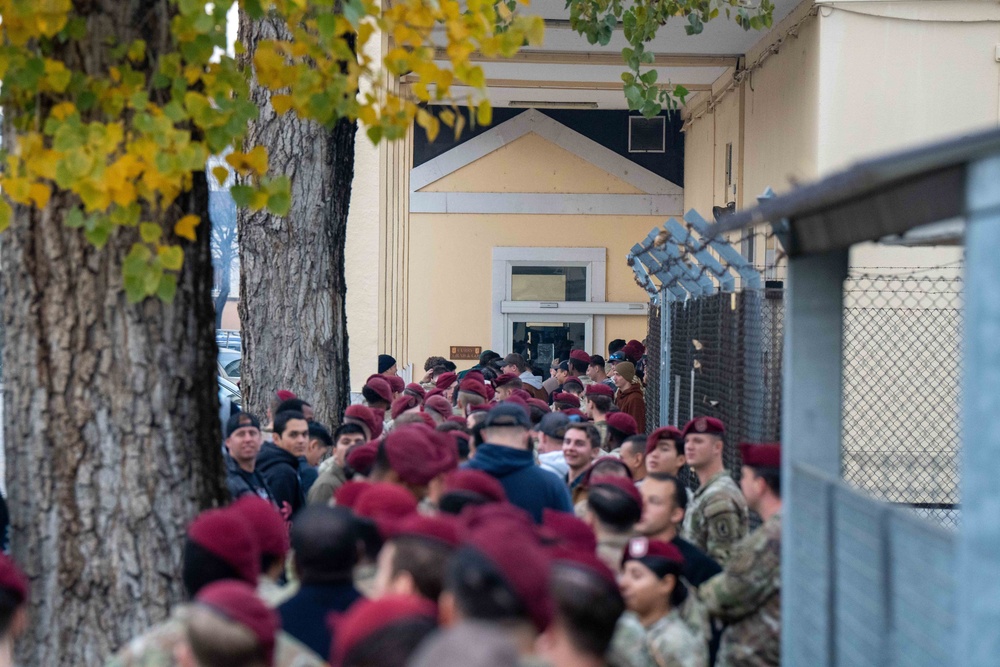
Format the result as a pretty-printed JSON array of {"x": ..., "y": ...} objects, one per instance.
[
  {"x": 111, "y": 410},
  {"x": 294, "y": 327}
]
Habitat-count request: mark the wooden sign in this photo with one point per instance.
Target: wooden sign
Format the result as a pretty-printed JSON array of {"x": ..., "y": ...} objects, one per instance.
[{"x": 465, "y": 352}]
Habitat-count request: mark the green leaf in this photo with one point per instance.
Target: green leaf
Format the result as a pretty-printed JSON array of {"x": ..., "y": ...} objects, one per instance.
[
  {"x": 74, "y": 219},
  {"x": 681, "y": 93},
  {"x": 649, "y": 77},
  {"x": 633, "y": 93},
  {"x": 134, "y": 289},
  {"x": 167, "y": 288},
  {"x": 354, "y": 11},
  {"x": 242, "y": 195},
  {"x": 650, "y": 109},
  {"x": 171, "y": 257},
  {"x": 97, "y": 230},
  {"x": 253, "y": 9},
  {"x": 136, "y": 263},
  {"x": 375, "y": 133},
  {"x": 150, "y": 232}
]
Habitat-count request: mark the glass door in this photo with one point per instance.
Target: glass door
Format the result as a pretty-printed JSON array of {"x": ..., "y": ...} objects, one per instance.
[{"x": 542, "y": 338}]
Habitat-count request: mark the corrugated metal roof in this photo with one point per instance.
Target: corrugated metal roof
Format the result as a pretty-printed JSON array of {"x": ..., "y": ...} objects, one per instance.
[{"x": 873, "y": 199}]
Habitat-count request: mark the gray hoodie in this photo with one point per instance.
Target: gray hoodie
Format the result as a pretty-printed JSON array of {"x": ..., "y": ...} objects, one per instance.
[{"x": 529, "y": 379}]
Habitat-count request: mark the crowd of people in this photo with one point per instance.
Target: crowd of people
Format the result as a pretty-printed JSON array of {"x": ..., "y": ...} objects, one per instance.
[{"x": 481, "y": 518}]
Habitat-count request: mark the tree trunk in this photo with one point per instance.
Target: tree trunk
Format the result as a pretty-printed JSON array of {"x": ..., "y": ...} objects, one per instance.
[
  {"x": 111, "y": 412},
  {"x": 292, "y": 289}
]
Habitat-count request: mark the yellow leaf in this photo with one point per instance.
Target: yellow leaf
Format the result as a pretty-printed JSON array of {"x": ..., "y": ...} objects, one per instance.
[
  {"x": 255, "y": 160},
  {"x": 63, "y": 110},
  {"x": 5, "y": 213},
  {"x": 171, "y": 256},
  {"x": 484, "y": 113},
  {"x": 281, "y": 103},
  {"x": 221, "y": 174},
  {"x": 429, "y": 122},
  {"x": 185, "y": 227},
  {"x": 39, "y": 194}
]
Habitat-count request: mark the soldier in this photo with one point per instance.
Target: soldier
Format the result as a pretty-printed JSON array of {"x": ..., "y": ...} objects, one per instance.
[
  {"x": 383, "y": 632},
  {"x": 229, "y": 625},
  {"x": 653, "y": 634},
  {"x": 717, "y": 516},
  {"x": 220, "y": 545},
  {"x": 613, "y": 508},
  {"x": 747, "y": 594}
]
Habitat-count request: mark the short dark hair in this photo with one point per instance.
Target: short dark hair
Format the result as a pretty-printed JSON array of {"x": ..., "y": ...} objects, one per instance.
[
  {"x": 615, "y": 437},
  {"x": 578, "y": 366},
  {"x": 391, "y": 645},
  {"x": 292, "y": 405},
  {"x": 615, "y": 345},
  {"x": 282, "y": 418},
  {"x": 481, "y": 591},
  {"x": 9, "y": 604},
  {"x": 434, "y": 361},
  {"x": 680, "y": 491},
  {"x": 564, "y": 365},
  {"x": 372, "y": 397},
  {"x": 348, "y": 429},
  {"x": 319, "y": 432},
  {"x": 592, "y": 433},
  {"x": 771, "y": 477},
  {"x": 325, "y": 540},
  {"x": 425, "y": 560},
  {"x": 200, "y": 567},
  {"x": 516, "y": 359},
  {"x": 597, "y": 360},
  {"x": 636, "y": 443},
  {"x": 587, "y": 605},
  {"x": 613, "y": 508},
  {"x": 602, "y": 403}
]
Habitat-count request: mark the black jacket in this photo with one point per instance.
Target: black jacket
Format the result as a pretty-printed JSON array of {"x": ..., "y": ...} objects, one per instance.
[
  {"x": 699, "y": 567},
  {"x": 240, "y": 482},
  {"x": 280, "y": 471}
]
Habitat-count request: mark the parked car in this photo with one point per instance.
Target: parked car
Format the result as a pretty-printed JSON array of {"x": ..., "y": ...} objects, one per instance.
[{"x": 229, "y": 365}]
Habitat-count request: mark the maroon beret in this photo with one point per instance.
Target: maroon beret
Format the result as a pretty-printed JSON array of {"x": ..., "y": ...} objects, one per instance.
[
  {"x": 441, "y": 528},
  {"x": 457, "y": 419},
  {"x": 496, "y": 514},
  {"x": 366, "y": 617},
  {"x": 404, "y": 403},
  {"x": 575, "y": 412},
  {"x": 266, "y": 522},
  {"x": 416, "y": 389},
  {"x": 623, "y": 484},
  {"x": 225, "y": 534},
  {"x": 383, "y": 500},
  {"x": 380, "y": 386},
  {"x": 603, "y": 461},
  {"x": 599, "y": 389},
  {"x": 364, "y": 417},
  {"x": 396, "y": 383},
  {"x": 473, "y": 386},
  {"x": 503, "y": 379},
  {"x": 475, "y": 481},
  {"x": 709, "y": 425},
  {"x": 767, "y": 455},
  {"x": 418, "y": 453},
  {"x": 12, "y": 579},
  {"x": 473, "y": 374},
  {"x": 439, "y": 405},
  {"x": 445, "y": 380},
  {"x": 433, "y": 392},
  {"x": 284, "y": 395},
  {"x": 663, "y": 433},
  {"x": 538, "y": 403},
  {"x": 348, "y": 493},
  {"x": 516, "y": 400},
  {"x": 361, "y": 458},
  {"x": 521, "y": 560},
  {"x": 567, "y": 398},
  {"x": 580, "y": 355},
  {"x": 584, "y": 560},
  {"x": 239, "y": 603},
  {"x": 482, "y": 407},
  {"x": 522, "y": 393},
  {"x": 654, "y": 554},
  {"x": 569, "y": 531},
  {"x": 622, "y": 422}
]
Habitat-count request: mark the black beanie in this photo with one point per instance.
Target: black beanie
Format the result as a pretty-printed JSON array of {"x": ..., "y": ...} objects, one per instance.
[{"x": 385, "y": 362}]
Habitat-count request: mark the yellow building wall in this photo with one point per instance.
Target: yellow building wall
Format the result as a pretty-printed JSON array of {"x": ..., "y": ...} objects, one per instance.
[{"x": 450, "y": 276}]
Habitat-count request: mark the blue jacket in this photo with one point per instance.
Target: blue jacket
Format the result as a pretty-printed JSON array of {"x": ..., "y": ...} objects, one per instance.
[
  {"x": 304, "y": 615},
  {"x": 527, "y": 486}
]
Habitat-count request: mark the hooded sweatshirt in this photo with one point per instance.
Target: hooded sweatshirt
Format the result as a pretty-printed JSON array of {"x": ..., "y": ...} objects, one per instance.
[
  {"x": 280, "y": 469},
  {"x": 531, "y": 380},
  {"x": 527, "y": 486}
]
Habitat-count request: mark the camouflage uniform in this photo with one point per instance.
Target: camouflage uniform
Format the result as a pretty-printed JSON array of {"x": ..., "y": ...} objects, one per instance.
[
  {"x": 747, "y": 596},
  {"x": 602, "y": 428},
  {"x": 717, "y": 517},
  {"x": 668, "y": 642},
  {"x": 156, "y": 648},
  {"x": 610, "y": 549}
]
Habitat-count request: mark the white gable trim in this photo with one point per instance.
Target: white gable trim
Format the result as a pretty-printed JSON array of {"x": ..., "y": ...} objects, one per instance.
[
  {"x": 529, "y": 203},
  {"x": 533, "y": 120}
]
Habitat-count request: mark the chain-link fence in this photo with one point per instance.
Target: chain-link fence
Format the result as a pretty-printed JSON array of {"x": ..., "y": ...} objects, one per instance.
[
  {"x": 652, "y": 376},
  {"x": 902, "y": 366}
]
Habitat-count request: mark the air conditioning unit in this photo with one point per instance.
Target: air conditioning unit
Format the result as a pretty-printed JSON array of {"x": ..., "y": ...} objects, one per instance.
[{"x": 647, "y": 135}]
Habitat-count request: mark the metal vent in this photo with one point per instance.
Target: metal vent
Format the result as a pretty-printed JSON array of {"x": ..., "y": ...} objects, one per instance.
[{"x": 647, "y": 135}]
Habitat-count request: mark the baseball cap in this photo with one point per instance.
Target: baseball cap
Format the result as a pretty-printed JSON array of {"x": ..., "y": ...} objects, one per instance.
[
  {"x": 554, "y": 424},
  {"x": 507, "y": 414}
]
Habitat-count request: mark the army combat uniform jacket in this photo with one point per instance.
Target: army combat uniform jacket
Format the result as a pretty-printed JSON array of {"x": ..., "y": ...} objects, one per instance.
[
  {"x": 717, "y": 517},
  {"x": 669, "y": 642},
  {"x": 747, "y": 596},
  {"x": 157, "y": 647}
]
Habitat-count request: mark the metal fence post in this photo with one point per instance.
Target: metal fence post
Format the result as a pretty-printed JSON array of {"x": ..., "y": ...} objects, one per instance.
[
  {"x": 978, "y": 568},
  {"x": 665, "y": 380},
  {"x": 811, "y": 419}
]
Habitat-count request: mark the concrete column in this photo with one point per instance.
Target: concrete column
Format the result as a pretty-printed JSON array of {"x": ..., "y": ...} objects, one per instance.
[
  {"x": 977, "y": 600},
  {"x": 810, "y": 435}
]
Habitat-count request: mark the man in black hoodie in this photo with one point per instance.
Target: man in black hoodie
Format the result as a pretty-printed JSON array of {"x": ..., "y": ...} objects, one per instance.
[
  {"x": 243, "y": 443},
  {"x": 278, "y": 461}
]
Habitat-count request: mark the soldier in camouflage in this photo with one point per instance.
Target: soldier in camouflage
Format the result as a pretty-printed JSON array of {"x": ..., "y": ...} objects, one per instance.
[
  {"x": 747, "y": 594},
  {"x": 654, "y": 633},
  {"x": 717, "y": 516}
]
